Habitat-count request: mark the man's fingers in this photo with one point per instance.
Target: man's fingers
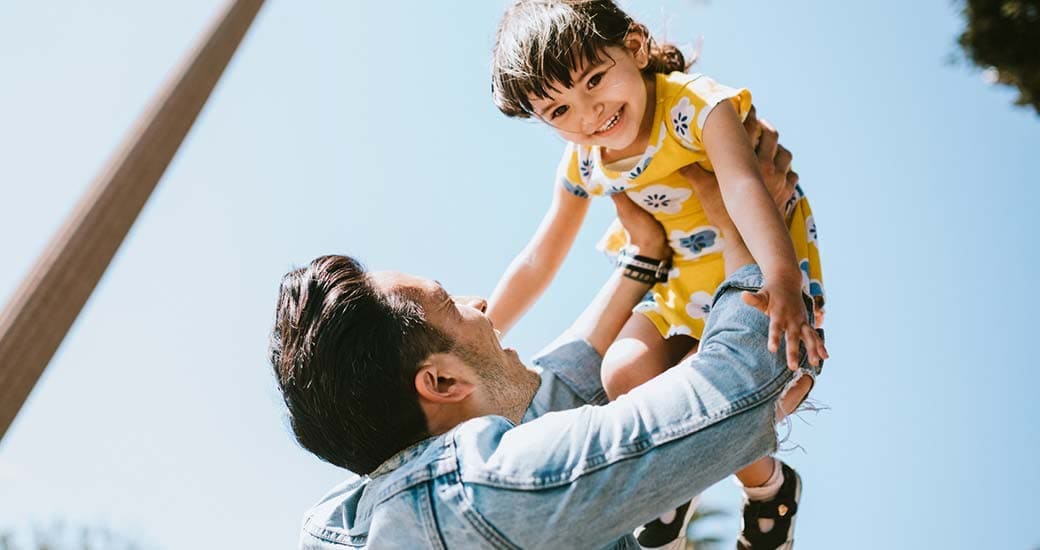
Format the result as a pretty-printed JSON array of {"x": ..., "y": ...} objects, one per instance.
[
  {"x": 792, "y": 179},
  {"x": 751, "y": 125},
  {"x": 767, "y": 143},
  {"x": 783, "y": 158}
]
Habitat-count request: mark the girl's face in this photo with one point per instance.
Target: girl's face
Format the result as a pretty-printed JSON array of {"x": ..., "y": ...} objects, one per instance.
[{"x": 607, "y": 105}]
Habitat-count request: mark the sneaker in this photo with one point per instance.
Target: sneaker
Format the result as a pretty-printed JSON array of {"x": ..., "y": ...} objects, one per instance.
[
  {"x": 668, "y": 532},
  {"x": 781, "y": 509}
]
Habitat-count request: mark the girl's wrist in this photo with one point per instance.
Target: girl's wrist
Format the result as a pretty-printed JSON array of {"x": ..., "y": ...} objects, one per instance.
[
  {"x": 656, "y": 250},
  {"x": 783, "y": 274},
  {"x": 645, "y": 269}
]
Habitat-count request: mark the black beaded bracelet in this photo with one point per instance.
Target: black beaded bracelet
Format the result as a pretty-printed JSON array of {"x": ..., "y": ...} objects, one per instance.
[
  {"x": 642, "y": 268},
  {"x": 641, "y": 275}
]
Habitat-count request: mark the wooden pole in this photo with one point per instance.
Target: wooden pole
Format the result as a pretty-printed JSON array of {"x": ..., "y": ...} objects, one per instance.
[{"x": 42, "y": 310}]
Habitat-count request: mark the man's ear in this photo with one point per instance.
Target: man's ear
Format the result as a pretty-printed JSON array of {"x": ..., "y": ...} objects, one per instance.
[
  {"x": 637, "y": 41},
  {"x": 443, "y": 378}
]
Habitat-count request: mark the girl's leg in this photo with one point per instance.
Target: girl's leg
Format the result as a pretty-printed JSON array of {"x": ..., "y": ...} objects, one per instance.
[
  {"x": 638, "y": 354},
  {"x": 772, "y": 485},
  {"x": 758, "y": 472}
]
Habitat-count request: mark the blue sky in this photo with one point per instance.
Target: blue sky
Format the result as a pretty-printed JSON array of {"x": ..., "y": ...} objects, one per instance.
[{"x": 367, "y": 128}]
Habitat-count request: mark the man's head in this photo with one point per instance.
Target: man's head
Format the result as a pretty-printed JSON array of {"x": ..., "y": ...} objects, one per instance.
[{"x": 370, "y": 363}]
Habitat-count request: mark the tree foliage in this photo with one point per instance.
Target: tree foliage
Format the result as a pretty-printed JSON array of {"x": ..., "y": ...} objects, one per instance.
[
  {"x": 59, "y": 535},
  {"x": 1003, "y": 37}
]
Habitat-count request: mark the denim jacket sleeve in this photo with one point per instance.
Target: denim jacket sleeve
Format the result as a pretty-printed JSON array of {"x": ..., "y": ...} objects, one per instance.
[
  {"x": 586, "y": 477},
  {"x": 570, "y": 372}
]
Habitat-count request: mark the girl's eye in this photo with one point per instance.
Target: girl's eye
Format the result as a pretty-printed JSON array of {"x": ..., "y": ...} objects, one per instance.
[
  {"x": 558, "y": 112},
  {"x": 595, "y": 80}
]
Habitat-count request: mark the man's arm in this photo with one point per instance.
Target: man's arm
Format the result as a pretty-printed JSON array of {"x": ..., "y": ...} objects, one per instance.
[{"x": 591, "y": 475}]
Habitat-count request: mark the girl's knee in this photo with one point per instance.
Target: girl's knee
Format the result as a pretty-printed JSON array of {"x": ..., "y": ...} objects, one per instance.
[
  {"x": 625, "y": 368},
  {"x": 793, "y": 396}
]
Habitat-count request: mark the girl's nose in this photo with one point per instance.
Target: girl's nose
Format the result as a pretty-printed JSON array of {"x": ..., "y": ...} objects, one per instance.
[{"x": 591, "y": 120}]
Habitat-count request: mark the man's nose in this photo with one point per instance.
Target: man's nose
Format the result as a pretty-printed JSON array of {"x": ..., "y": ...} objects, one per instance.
[{"x": 474, "y": 302}]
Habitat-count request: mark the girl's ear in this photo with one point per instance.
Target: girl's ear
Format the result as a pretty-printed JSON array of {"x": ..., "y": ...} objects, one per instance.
[{"x": 637, "y": 41}]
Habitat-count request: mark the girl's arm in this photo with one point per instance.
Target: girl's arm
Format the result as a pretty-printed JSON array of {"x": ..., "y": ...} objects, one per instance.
[
  {"x": 755, "y": 215},
  {"x": 603, "y": 319},
  {"x": 534, "y": 268}
]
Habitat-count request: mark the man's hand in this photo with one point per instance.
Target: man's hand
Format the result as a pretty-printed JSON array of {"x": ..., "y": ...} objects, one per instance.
[
  {"x": 644, "y": 231},
  {"x": 774, "y": 160}
]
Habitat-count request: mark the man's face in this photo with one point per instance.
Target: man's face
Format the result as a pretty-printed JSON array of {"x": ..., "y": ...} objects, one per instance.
[{"x": 506, "y": 384}]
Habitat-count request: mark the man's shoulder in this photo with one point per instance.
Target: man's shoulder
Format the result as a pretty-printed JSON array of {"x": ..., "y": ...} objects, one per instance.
[{"x": 352, "y": 510}]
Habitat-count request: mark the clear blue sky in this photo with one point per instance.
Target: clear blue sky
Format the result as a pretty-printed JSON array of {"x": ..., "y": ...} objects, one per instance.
[{"x": 367, "y": 128}]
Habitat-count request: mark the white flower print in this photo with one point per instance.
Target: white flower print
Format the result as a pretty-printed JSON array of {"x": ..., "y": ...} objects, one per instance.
[
  {"x": 585, "y": 164},
  {"x": 806, "y": 282},
  {"x": 643, "y": 307},
  {"x": 661, "y": 198},
  {"x": 641, "y": 166},
  {"x": 810, "y": 228},
  {"x": 702, "y": 116},
  {"x": 673, "y": 273},
  {"x": 682, "y": 118},
  {"x": 608, "y": 184},
  {"x": 700, "y": 305},
  {"x": 676, "y": 330},
  {"x": 696, "y": 243}
]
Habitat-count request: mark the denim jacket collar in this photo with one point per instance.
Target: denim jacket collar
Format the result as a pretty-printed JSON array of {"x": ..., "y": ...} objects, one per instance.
[{"x": 395, "y": 462}]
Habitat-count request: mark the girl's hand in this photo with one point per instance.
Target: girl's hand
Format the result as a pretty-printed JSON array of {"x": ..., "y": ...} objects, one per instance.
[{"x": 781, "y": 299}]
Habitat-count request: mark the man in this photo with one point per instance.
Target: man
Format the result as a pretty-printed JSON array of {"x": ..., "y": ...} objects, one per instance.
[{"x": 459, "y": 445}]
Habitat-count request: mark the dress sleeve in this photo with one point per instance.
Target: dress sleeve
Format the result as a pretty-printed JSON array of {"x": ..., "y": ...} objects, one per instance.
[
  {"x": 689, "y": 108},
  {"x": 569, "y": 173}
]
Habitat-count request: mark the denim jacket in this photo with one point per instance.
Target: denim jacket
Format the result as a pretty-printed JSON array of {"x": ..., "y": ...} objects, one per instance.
[{"x": 578, "y": 472}]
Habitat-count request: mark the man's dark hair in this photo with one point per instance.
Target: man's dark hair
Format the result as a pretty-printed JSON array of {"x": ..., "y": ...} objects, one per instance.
[{"x": 345, "y": 354}]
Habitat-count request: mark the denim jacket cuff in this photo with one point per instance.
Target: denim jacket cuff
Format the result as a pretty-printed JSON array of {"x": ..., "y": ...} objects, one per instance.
[
  {"x": 748, "y": 277},
  {"x": 576, "y": 364}
]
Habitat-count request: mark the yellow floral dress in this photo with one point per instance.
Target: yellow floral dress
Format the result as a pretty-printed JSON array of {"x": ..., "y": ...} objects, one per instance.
[{"x": 681, "y": 305}]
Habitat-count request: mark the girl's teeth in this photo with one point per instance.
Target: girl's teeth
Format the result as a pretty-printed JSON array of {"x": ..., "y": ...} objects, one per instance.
[
  {"x": 498, "y": 334},
  {"x": 610, "y": 123}
]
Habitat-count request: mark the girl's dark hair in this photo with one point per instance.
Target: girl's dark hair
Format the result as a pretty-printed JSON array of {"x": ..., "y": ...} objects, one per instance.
[{"x": 540, "y": 42}]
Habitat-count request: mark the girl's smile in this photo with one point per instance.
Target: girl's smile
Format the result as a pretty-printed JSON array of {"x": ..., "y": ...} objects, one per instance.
[{"x": 612, "y": 124}]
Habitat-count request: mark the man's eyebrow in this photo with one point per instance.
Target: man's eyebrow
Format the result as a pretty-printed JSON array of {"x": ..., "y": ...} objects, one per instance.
[
  {"x": 441, "y": 293},
  {"x": 444, "y": 300}
]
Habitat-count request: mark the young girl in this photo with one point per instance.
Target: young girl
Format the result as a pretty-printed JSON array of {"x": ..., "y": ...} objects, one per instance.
[{"x": 632, "y": 120}]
